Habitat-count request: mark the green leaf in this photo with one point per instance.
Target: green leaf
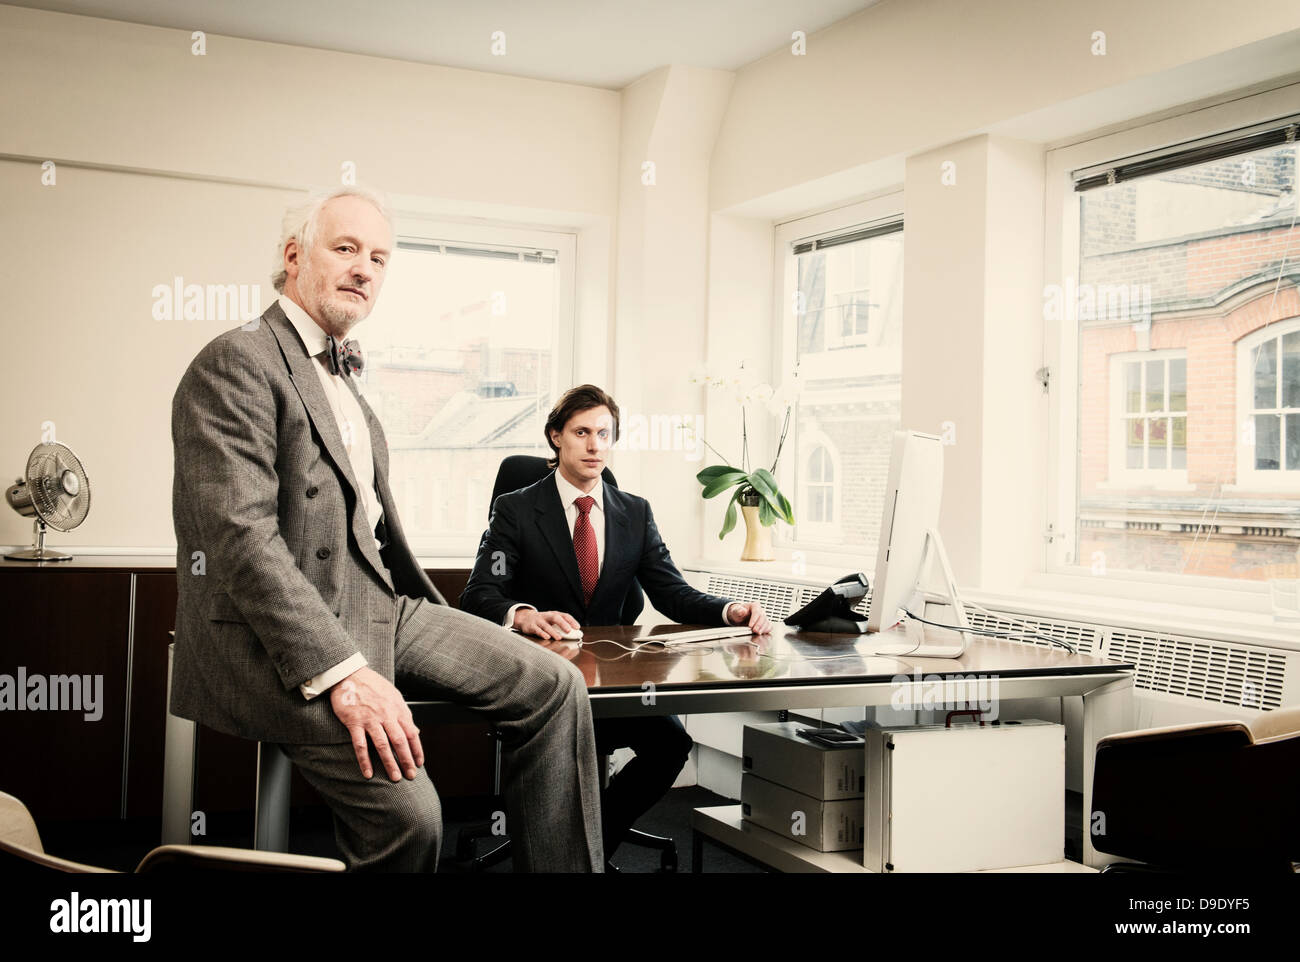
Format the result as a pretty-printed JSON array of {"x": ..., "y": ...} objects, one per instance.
[
  {"x": 766, "y": 516},
  {"x": 765, "y": 485},
  {"x": 786, "y": 509},
  {"x": 712, "y": 471},
  {"x": 729, "y": 521},
  {"x": 722, "y": 482}
]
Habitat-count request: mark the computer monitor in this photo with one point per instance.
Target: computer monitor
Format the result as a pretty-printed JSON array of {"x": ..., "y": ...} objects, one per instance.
[{"x": 909, "y": 544}]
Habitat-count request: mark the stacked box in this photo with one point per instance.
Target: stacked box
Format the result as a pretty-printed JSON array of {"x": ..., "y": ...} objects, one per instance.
[{"x": 806, "y": 791}]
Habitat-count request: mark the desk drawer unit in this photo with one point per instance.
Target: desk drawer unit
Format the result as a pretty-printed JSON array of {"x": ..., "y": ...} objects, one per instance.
[{"x": 965, "y": 798}]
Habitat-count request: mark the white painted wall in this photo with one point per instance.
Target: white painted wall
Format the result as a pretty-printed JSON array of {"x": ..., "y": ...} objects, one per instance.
[
  {"x": 171, "y": 164},
  {"x": 669, "y": 120},
  {"x": 906, "y": 76}
]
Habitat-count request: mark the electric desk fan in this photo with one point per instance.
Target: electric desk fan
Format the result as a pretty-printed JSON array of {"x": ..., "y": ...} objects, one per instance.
[{"x": 56, "y": 492}]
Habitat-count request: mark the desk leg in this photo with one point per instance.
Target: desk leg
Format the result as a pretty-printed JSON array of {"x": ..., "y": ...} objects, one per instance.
[
  {"x": 1106, "y": 711},
  {"x": 180, "y": 736}
]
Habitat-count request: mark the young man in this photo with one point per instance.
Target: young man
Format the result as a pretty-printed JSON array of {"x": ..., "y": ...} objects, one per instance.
[
  {"x": 301, "y": 606},
  {"x": 569, "y": 548}
]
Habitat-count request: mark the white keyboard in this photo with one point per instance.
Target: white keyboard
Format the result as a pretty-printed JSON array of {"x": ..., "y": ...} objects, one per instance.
[{"x": 699, "y": 635}]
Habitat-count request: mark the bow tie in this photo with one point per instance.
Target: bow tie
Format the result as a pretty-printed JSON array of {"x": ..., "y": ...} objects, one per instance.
[{"x": 344, "y": 358}]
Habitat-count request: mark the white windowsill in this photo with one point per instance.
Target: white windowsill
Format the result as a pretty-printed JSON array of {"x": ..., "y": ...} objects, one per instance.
[
  {"x": 1271, "y": 486},
  {"x": 1148, "y": 483}
]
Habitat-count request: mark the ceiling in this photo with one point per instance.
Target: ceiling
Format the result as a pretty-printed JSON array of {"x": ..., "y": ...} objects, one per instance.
[{"x": 598, "y": 43}]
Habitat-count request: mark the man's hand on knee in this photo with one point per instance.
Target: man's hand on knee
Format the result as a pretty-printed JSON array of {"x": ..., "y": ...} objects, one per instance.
[{"x": 367, "y": 703}]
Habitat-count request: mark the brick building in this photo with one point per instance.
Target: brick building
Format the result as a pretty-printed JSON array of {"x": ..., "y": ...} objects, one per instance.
[{"x": 1188, "y": 315}]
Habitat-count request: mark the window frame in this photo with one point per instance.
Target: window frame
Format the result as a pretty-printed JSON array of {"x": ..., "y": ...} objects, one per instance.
[
  {"x": 414, "y": 227},
  {"x": 1118, "y": 474},
  {"x": 816, "y": 531},
  {"x": 881, "y": 208},
  {"x": 1250, "y": 478},
  {"x": 1053, "y": 569}
]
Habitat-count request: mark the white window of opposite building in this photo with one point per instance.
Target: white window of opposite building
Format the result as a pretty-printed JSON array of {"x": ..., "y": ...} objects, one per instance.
[
  {"x": 1268, "y": 395},
  {"x": 1186, "y": 414}
]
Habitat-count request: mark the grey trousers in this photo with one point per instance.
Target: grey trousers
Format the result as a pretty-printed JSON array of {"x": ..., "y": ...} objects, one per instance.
[{"x": 538, "y": 703}]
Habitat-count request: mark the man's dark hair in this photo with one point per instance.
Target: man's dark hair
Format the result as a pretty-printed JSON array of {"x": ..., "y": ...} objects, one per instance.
[{"x": 584, "y": 397}]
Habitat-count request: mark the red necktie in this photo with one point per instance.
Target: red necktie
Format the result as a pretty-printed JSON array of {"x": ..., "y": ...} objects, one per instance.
[{"x": 584, "y": 546}]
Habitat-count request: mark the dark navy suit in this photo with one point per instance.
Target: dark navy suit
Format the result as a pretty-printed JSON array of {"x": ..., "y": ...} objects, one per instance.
[{"x": 539, "y": 568}]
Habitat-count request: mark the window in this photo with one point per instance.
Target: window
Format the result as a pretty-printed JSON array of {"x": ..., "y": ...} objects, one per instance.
[
  {"x": 819, "y": 489},
  {"x": 464, "y": 352},
  {"x": 1268, "y": 373},
  {"x": 1148, "y": 419},
  {"x": 840, "y": 291},
  {"x": 1180, "y": 450}
]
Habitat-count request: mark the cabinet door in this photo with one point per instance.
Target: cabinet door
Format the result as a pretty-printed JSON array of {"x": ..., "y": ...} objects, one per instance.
[
  {"x": 64, "y": 760},
  {"x": 155, "y": 615}
]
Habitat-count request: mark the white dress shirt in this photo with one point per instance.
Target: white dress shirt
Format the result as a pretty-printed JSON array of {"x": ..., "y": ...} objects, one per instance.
[
  {"x": 356, "y": 441},
  {"x": 568, "y": 497}
]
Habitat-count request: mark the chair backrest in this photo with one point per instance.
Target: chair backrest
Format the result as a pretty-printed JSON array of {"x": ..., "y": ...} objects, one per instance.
[
  {"x": 519, "y": 471},
  {"x": 17, "y": 827},
  {"x": 20, "y": 842},
  {"x": 1202, "y": 794}
]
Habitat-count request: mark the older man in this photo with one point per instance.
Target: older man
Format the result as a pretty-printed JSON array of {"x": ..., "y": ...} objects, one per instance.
[{"x": 301, "y": 606}]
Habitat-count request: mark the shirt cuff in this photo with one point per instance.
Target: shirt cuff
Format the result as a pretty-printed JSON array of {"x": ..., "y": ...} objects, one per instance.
[
  {"x": 510, "y": 615},
  {"x": 331, "y": 677},
  {"x": 726, "y": 610}
]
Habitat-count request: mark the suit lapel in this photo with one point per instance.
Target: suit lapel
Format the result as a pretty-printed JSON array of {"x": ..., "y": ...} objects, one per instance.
[
  {"x": 554, "y": 527},
  {"x": 303, "y": 374}
]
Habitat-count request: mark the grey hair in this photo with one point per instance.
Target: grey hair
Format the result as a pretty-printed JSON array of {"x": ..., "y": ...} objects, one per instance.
[{"x": 301, "y": 221}]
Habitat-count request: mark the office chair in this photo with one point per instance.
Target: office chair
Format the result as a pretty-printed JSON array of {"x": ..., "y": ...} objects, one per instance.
[
  {"x": 1211, "y": 795},
  {"x": 519, "y": 471},
  {"x": 20, "y": 847}
]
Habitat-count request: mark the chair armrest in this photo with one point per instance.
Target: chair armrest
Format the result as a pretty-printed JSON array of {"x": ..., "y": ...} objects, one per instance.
[
  {"x": 216, "y": 858},
  {"x": 1172, "y": 733},
  {"x": 1279, "y": 723}
]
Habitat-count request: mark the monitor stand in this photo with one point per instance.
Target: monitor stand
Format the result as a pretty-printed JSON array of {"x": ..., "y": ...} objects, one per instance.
[{"x": 920, "y": 597}]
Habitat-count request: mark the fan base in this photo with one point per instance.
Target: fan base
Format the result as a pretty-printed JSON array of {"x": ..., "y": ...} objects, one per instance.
[{"x": 38, "y": 554}]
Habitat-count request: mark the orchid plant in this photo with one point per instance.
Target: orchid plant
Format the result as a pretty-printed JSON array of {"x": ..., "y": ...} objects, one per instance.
[{"x": 755, "y": 487}]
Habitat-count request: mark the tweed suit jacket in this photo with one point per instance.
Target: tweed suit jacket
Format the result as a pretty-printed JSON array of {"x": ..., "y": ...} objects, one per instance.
[{"x": 278, "y": 574}]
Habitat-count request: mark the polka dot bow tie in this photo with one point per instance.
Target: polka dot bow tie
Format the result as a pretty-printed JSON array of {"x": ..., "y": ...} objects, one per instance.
[{"x": 344, "y": 358}]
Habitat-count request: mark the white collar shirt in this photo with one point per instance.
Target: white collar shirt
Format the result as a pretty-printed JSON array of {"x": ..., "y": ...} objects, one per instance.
[{"x": 352, "y": 425}]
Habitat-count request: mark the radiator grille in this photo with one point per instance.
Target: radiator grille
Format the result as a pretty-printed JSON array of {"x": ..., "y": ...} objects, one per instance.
[
  {"x": 1082, "y": 638},
  {"x": 1199, "y": 668},
  {"x": 777, "y": 598}
]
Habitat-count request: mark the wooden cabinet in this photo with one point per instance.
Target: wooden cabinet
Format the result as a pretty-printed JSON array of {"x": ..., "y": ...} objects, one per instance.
[
  {"x": 108, "y": 619},
  {"x": 64, "y": 760}
]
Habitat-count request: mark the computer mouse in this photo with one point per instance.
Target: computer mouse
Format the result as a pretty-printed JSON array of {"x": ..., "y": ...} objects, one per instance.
[{"x": 573, "y": 634}]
